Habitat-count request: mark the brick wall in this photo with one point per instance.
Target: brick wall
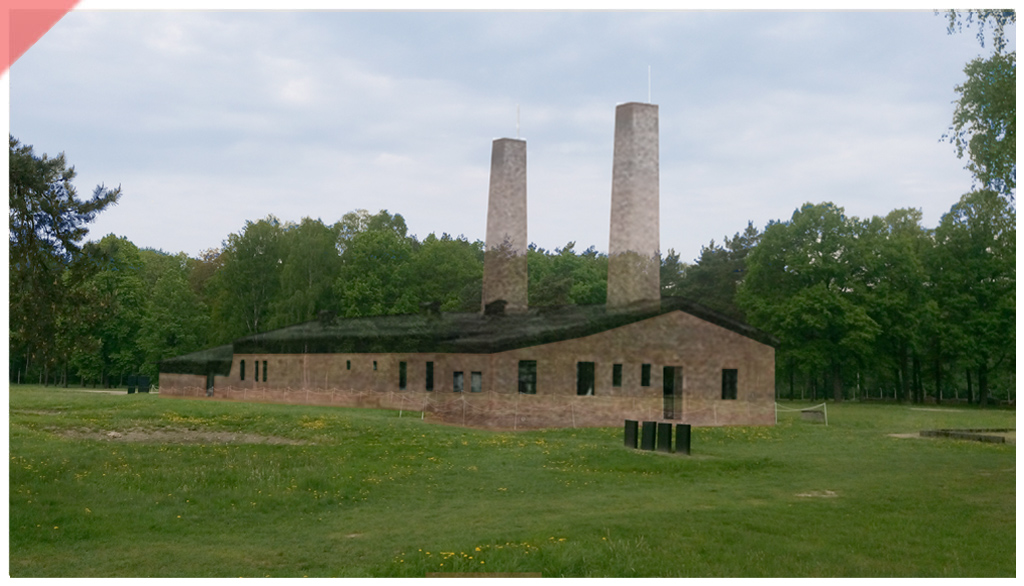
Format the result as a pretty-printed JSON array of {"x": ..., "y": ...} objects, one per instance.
[{"x": 675, "y": 339}]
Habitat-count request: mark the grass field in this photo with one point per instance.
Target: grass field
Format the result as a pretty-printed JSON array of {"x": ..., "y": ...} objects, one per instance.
[{"x": 138, "y": 485}]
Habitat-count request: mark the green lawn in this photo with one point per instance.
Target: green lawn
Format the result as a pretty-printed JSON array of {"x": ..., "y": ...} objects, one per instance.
[{"x": 203, "y": 488}]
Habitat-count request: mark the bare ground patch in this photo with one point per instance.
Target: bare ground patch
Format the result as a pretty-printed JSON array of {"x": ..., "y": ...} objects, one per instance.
[
  {"x": 825, "y": 494},
  {"x": 36, "y": 412},
  {"x": 177, "y": 436}
]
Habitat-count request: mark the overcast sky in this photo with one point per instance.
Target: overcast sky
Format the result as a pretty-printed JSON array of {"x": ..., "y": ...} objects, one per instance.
[{"x": 209, "y": 119}]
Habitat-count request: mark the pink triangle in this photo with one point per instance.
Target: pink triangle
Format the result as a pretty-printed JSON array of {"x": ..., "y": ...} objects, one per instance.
[{"x": 25, "y": 22}]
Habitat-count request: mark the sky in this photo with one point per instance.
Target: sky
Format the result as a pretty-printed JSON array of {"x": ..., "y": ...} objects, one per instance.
[{"x": 209, "y": 119}]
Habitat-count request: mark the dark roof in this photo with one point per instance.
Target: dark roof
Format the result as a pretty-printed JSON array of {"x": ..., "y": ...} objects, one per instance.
[
  {"x": 469, "y": 333},
  {"x": 210, "y": 361}
]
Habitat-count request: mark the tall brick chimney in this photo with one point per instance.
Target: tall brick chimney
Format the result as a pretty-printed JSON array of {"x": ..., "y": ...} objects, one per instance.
[
  {"x": 505, "y": 276},
  {"x": 633, "y": 249}
]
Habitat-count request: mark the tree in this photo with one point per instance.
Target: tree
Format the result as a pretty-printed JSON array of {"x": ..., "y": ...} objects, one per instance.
[
  {"x": 892, "y": 252},
  {"x": 47, "y": 224},
  {"x": 973, "y": 280},
  {"x": 248, "y": 281},
  {"x": 985, "y": 119},
  {"x": 566, "y": 278},
  {"x": 112, "y": 313},
  {"x": 712, "y": 280},
  {"x": 673, "y": 274},
  {"x": 802, "y": 286},
  {"x": 374, "y": 275},
  {"x": 997, "y": 19},
  {"x": 175, "y": 320},
  {"x": 309, "y": 267},
  {"x": 448, "y": 270}
]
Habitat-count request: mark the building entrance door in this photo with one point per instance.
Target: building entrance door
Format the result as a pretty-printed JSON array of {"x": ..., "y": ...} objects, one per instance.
[
  {"x": 584, "y": 378},
  {"x": 672, "y": 392}
]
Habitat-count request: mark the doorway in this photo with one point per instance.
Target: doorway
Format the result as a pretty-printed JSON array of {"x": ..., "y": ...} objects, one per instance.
[
  {"x": 584, "y": 378},
  {"x": 672, "y": 392}
]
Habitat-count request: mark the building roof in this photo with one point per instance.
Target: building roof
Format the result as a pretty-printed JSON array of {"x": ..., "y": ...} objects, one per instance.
[{"x": 464, "y": 333}]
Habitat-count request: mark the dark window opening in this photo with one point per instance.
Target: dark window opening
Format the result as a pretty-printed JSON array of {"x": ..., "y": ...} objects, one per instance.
[
  {"x": 585, "y": 378},
  {"x": 672, "y": 389},
  {"x": 616, "y": 375},
  {"x": 257, "y": 377},
  {"x": 241, "y": 370},
  {"x": 401, "y": 376},
  {"x": 528, "y": 377},
  {"x": 375, "y": 365},
  {"x": 457, "y": 382},
  {"x": 264, "y": 371},
  {"x": 348, "y": 365},
  {"x": 476, "y": 382},
  {"x": 430, "y": 376},
  {"x": 729, "y": 383},
  {"x": 645, "y": 375}
]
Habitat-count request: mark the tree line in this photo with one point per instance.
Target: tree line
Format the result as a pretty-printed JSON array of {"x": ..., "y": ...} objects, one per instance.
[{"x": 877, "y": 307}]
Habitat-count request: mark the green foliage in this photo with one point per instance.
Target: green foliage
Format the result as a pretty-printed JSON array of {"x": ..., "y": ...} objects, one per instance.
[
  {"x": 564, "y": 277},
  {"x": 985, "y": 120},
  {"x": 112, "y": 311},
  {"x": 176, "y": 321},
  {"x": 310, "y": 263},
  {"x": 373, "y": 278},
  {"x": 998, "y": 19},
  {"x": 203, "y": 489},
  {"x": 974, "y": 282},
  {"x": 448, "y": 270},
  {"x": 803, "y": 284},
  {"x": 249, "y": 279},
  {"x": 673, "y": 275},
  {"x": 47, "y": 223},
  {"x": 712, "y": 280},
  {"x": 893, "y": 252}
]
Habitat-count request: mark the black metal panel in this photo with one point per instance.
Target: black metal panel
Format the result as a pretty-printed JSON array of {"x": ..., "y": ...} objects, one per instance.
[
  {"x": 683, "y": 438},
  {"x": 647, "y": 437},
  {"x": 630, "y": 433},
  {"x": 664, "y": 437}
]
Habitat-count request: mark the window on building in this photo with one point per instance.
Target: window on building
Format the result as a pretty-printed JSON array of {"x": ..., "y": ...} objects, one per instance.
[
  {"x": 401, "y": 376},
  {"x": 476, "y": 381},
  {"x": 528, "y": 377},
  {"x": 645, "y": 375},
  {"x": 375, "y": 365},
  {"x": 348, "y": 365},
  {"x": 241, "y": 370},
  {"x": 257, "y": 377},
  {"x": 430, "y": 376},
  {"x": 616, "y": 375},
  {"x": 729, "y": 383},
  {"x": 264, "y": 371},
  {"x": 457, "y": 382},
  {"x": 584, "y": 378}
]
